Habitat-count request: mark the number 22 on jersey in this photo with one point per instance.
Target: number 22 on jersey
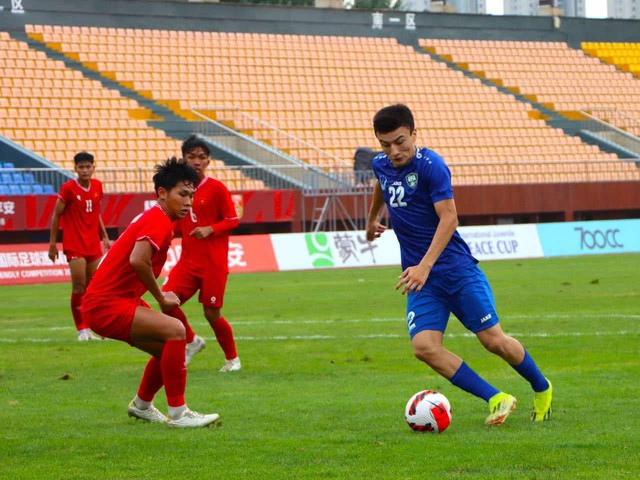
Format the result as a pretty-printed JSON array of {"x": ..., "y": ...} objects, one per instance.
[{"x": 396, "y": 196}]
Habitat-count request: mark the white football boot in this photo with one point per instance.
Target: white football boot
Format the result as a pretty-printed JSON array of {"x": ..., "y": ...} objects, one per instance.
[
  {"x": 191, "y": 419},
  {"x": 232, "y": 365},
  {"x": 194, "y": 347},
  {"x": 151, "y": 414}
]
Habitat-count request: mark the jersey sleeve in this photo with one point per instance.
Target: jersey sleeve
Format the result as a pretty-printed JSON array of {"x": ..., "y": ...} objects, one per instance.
[
  {"x": 439, "y": 180},
  {"x": 101, "y": 192},
  {"x": 65, "y": 193},
  {"x": 228, "y": 212},
  {"x": 157, "y": 233}
]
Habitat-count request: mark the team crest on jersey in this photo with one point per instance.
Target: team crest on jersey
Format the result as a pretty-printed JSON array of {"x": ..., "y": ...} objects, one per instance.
[
  {"x": 383, "y": 182},
  {"x": 412, "y": 179}
]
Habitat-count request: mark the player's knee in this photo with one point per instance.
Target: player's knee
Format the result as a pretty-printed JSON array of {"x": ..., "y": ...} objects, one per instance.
[
  {"x": 426, "y": 352},
  {"x": 496, "y": 345},
  {"x": 177, "y": 331},
  {"x": 212, "y": 316}
]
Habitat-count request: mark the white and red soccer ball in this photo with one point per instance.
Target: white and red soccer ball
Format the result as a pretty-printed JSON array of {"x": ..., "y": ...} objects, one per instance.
[{"x": 428, "y": 411}]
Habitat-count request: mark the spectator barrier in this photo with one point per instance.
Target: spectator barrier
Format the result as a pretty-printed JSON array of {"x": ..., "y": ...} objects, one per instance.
[{"x": 28, "y": 263}]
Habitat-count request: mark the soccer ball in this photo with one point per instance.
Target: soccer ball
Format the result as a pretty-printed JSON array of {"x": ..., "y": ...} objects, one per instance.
[{"x": 428, "y": 411}]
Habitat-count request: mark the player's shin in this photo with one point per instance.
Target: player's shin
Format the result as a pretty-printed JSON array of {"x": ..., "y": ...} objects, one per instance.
[{"x": 174, "y": 371}]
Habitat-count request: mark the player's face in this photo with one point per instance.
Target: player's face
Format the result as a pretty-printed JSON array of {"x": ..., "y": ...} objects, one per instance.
[
  {"x": 177, "y": 201},
  {"x": 399, "y": 145},
  {"x": 198, "y": 159},
  {"x": 84, "y": 171}
]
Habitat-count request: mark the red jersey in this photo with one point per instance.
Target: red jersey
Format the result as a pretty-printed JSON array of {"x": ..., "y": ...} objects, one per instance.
[
  {"x": 80, "y": 219},
  {"x": 115, "y": 277},
  {"x": 212, "y": 206}
]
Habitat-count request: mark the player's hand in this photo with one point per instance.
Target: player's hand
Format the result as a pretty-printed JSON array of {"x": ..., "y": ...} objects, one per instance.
[
  {"x": 413, "y": 279},
  {"x": 201, "y": 232},
  {"x": 106, "y": 242},
  {"x": 374, "y": 230},
  {"x": 53, "y": 252},
  {"x": 168, "y": 301}
]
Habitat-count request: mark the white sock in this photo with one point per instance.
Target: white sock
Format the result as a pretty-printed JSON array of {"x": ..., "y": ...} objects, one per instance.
[
  {"x": 141, "y": 404},
  {"x": 176, "y": 412}
]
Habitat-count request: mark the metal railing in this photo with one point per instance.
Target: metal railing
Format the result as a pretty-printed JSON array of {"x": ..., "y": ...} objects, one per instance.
[
  {"x": 261, "y": 144},
  {"x": 256, "y": 177},
  {"x": 613, "y": 126}
]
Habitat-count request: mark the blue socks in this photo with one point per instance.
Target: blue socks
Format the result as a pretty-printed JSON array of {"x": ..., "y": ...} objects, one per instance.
[
  {"x": 469, "y": 381},
  {"x": 530, "y": 372}
]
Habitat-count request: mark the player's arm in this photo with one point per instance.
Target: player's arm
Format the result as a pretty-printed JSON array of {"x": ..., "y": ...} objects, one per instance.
[
  {"x": 103, "y": 233},
  {"x": 229, "y": 220},
  {"x": 414, "y": 278},
  {"x": 55, "y": 228},
  {"x": 374, "y": 228},
  {"x": 140, "y": 260}
]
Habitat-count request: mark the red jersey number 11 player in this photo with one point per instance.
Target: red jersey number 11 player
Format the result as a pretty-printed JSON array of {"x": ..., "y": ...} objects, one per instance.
[
  {"x": 204, "y": 263},
  {"x": 77, "y": 210}
]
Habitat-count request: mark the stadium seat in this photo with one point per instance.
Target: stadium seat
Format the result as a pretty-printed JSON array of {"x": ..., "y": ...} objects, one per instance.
[
  {"x": 37, "y": 189},
  {"x": 28, "y": 178},
  {"x": 4, "y": 189},
  {"x": 25, "y": 189},
  {"x": 15, "y": 190},
  {"x": 6, "y": 178},
  {"x": 48, "y": 189},
  {"x": 7, "y": 165}
]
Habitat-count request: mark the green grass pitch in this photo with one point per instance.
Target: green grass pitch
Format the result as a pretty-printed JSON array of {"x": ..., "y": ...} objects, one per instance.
[{"x": 327, "y": 371}]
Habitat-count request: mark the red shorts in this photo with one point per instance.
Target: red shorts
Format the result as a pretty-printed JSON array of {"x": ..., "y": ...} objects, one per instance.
[
  {"x": 71, "y": 255},
  {"x": 184, "y": 282},
  {"x": 111, "y": 317}
]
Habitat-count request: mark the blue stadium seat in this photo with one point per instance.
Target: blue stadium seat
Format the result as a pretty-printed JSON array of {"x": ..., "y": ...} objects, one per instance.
[
  {"x": 37, "y": 189},
  {"x": 25, "y": 189},
  {"x": 28, "y": 177},
  {"x": 18, "y": 178},
  {"x": 14, "y": 190},
  {"x": 4, "y": 189},
  {"x": 48, "y": 189},
  {"x": 8, "y": 165},
  {"x": 6, "y": 178}
]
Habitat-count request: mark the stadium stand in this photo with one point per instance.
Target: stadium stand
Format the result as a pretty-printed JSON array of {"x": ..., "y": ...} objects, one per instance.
[
  {"x": 486, "y": 136},
  {"x": 14, "y": 182},
  {"x": 625, "y": 57},
  {"x": 56, "y": 111}
]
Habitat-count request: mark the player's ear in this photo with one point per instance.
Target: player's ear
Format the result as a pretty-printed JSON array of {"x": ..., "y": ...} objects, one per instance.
[{"x": 162, "y": 193}]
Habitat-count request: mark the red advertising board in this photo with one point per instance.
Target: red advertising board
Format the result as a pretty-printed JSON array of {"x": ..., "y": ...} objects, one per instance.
[
  {"x": 33, "y": 212},
  {"x": 28, "y": 263}
]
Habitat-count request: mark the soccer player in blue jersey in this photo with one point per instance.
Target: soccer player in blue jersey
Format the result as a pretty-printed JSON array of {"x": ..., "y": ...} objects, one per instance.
[{"x": 440, "y": 276}]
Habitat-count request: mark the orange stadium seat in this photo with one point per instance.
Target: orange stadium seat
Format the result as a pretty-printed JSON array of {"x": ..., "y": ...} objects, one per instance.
[{"x": 280, "y": 80}]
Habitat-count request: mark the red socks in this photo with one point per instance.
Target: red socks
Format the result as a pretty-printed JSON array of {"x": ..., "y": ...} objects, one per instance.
[
  {"x": 151, "y": 380},
  {"x": 176, "y": 312},
  {"x": 224, "y": 335},
  {"x": 174, "y": 372},
  {"x": 76, "y": 303}
]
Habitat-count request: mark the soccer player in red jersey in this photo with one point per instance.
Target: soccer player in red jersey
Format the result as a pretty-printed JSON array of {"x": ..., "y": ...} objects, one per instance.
[
  {"x": 114, "y": 309},
  {"x": 203, "y": 263},
  {"x": 78, "y": 207}
]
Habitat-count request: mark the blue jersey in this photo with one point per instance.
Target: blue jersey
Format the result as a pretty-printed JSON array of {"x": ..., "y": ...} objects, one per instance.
[{"x": 410, "y": 193}]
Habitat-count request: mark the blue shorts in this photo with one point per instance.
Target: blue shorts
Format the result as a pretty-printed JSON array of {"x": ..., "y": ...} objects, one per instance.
[{"x": 465, "y": 292}]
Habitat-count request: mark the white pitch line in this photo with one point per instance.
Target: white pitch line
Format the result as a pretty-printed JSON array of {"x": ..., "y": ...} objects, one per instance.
[
  {"x": 372, "y": 336},
  {"x": 374, "y": 320}
]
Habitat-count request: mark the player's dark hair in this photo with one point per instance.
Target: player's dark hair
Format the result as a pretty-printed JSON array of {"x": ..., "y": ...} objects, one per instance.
[
  {"x": 393, "y": 117},
  {"x": 194, "y": 142},
  {"x": 171, "y": 172},
  {"x": 82, "y": 157}
]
